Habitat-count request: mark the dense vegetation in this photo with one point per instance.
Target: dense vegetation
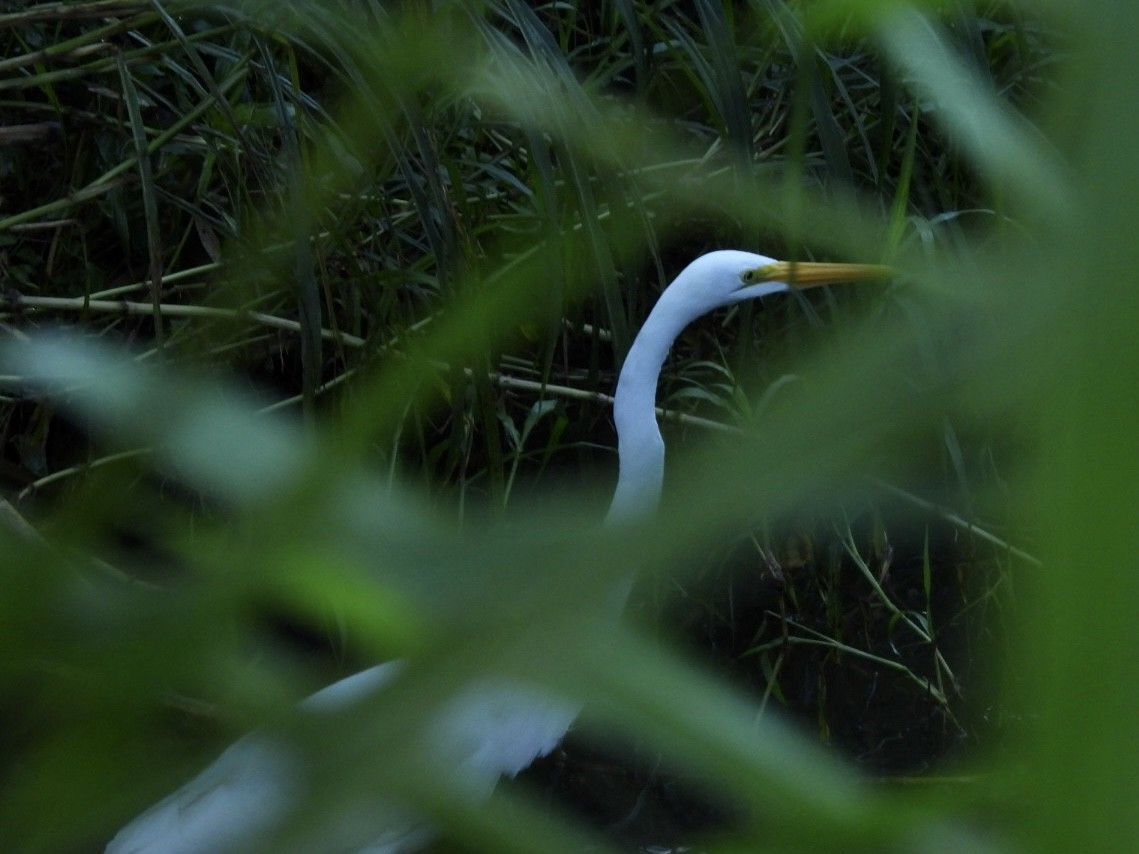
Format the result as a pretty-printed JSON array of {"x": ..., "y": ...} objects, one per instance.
[{"x": 344, "y": 289}]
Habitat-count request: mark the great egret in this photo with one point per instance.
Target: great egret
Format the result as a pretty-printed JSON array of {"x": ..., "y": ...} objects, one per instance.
[{"x": 492, "y": 727}]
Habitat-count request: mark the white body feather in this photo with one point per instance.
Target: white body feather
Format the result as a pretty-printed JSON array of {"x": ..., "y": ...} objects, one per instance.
[{"x": 493, "y": 727}]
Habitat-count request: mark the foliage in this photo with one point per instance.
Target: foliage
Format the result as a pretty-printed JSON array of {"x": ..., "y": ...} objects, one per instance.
[{"x": 420, "y": 240}]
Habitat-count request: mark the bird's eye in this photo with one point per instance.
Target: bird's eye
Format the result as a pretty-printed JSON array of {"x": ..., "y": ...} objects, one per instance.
[{"x": 748, "y": 276}]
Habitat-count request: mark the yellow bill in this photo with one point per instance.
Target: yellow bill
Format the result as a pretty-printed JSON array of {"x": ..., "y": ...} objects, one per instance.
[{"x": 809, "y": 274}]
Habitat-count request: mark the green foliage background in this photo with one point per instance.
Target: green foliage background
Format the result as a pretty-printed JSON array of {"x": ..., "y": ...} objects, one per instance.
[{"x": 421, "y": 239}]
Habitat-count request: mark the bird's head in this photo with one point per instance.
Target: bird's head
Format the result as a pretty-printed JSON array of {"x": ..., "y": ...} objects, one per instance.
[{"x": 729, "y": 276}]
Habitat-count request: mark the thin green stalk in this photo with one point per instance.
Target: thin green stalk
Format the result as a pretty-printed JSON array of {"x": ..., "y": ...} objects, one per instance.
[{"x": 149, "y": 202}]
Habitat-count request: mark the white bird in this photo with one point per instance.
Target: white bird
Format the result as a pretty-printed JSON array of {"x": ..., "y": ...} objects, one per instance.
[{"x": 492, "y": 727}]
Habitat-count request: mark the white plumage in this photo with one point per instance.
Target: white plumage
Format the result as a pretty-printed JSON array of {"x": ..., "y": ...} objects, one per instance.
[{"x": 493, "y": 726}]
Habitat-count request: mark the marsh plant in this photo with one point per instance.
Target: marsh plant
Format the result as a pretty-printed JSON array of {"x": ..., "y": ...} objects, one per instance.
[{"x": 310, "y": 317}]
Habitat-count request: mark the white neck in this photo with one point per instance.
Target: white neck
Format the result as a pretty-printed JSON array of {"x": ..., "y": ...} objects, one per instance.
[{"x": 640, "y": 448}]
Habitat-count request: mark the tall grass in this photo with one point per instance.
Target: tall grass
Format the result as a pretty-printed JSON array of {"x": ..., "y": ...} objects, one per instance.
[{"x": 311, "y": 312}]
